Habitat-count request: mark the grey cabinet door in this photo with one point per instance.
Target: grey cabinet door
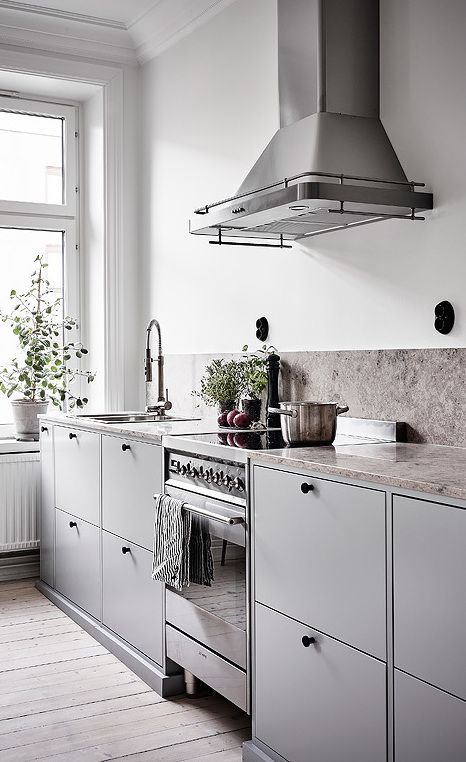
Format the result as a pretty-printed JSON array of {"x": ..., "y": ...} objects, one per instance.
[
  {"x": 77, "y": 472},
  {"x": 77, "y": 562},
  {"x": 132, "y": 600},
  {"x": 429, "y": 566},
  {"x": 130, "y": 478},
  {"x": 430, "y": 725},
  {"x": 47, "y": 510},
  {"x": 320, "y": 556},
  {"x": 325, "y": 702}
]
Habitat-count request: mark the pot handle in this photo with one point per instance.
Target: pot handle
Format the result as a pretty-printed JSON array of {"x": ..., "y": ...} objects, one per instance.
[
  {"x": 342, "y": 409},
  {"x": 279, "y": 411}
]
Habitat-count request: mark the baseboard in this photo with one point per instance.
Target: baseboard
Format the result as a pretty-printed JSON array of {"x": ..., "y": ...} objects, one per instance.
[
  {"x": 19, "y": 564},
  {"x": 252, "y": 753},
  {"x": 151, "y": 673}
]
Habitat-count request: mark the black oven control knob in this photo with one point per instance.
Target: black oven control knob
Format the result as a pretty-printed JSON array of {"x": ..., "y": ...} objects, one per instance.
[
  {"x": 216, "y": 477},
  {"x": 207, "y": 475},
  {"x": 194, "y": 472},
  {"x": 226, "y": 481},
  {"x": 238, "y": 484},
  {"x": 183, "y": 470}
]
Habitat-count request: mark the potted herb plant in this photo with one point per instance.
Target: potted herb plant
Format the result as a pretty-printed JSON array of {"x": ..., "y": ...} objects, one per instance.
[
  {"x": 221, "y": 384},
  {"x": 47, "y": 365},
  {"x": 254, "y": 369}
]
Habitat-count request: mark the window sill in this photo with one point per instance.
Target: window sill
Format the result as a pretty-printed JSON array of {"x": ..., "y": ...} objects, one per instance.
[{"x": 8, "y": 444}]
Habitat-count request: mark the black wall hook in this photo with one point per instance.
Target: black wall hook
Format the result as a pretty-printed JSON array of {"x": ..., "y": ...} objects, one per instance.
[
  {"x": 262, "y": 325},
  {"x": 444, "y": 317}
]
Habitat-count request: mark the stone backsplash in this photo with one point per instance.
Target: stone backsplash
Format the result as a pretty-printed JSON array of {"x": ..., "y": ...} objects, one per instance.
[{"x": 425, "y": 388}]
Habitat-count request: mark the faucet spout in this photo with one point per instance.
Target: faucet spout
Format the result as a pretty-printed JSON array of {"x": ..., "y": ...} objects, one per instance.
[{"x": 163, "y": 402}]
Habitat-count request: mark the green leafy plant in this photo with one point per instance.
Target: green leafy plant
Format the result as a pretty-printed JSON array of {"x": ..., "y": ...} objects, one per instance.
[
  {"x": 222, "y": 381},
  {"x": 254, "y": 369},
  {"x": 47, "y": 365}
]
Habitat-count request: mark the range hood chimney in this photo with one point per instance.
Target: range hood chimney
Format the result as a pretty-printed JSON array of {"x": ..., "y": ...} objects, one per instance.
[{"x": 331, "y": 164}]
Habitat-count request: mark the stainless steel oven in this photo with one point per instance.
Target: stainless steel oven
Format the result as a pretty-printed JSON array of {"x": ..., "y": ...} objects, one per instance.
[{"x": 207, "y": 626}]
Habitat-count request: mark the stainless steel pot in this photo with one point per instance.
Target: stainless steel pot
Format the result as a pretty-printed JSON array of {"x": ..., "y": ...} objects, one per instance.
[{"x": 309, "y": 423}]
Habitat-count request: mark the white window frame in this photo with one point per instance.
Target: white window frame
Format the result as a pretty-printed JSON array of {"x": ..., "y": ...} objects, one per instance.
[{"x": 63, "y": 218}]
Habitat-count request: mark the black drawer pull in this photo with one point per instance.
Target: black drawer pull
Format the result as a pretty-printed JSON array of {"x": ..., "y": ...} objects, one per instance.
[
  {"x": 125, "y": 447},
  {"x": 307, "y": 641},
  {"x": 125, "y": 550},
  {"x": 73, "y": 524},
  {"x": 305, "y": 488},
  {"x": 72, "y": 436},
  {"x": 43, "y": 428}
]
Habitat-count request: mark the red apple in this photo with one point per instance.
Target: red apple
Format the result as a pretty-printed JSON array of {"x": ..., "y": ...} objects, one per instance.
[
  {"x": 231, "y": 416},
  {"x": 242, "y": 421},
  {"x": 222, "y": 419}
]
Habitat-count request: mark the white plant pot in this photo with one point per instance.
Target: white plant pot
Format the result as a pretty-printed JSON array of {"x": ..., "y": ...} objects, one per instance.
[{"x": 25, "y": 418}]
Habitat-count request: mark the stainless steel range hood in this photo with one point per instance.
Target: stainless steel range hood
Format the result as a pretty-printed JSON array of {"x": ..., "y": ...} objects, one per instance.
[{"x": 331, "y": 164}]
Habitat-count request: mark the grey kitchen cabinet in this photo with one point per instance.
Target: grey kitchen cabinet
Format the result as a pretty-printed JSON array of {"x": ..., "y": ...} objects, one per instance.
[
  {"x": 47, "y": 515},
  {"x": 77, "y": 561},
  {"x": 323, "y": 701},
  {"x": 131, "y": 475},
  {"x": 429, "y": 567},
  {"x": 320, "y": 555},
  {"x": 132, "y": 600},
  {"x": 77, "y": 472},
  {"x": 430, "y": 725}
]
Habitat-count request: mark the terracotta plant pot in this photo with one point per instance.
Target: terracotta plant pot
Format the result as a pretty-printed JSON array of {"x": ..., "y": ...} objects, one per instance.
[
  {"x": 25, "y": 418},
  {"x": 252, "y": 408}
]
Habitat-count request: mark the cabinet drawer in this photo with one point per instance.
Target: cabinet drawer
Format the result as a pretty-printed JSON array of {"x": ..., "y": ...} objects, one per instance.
[
  {"x": 77, "y": 455},
  {"x": 130, "y": 478},
  {"x": 77, "y": 562},
  {"x": 322, "y": 702},
  {"x": 132, "y": 600},
  {"x": 429, "y": 558},
  {"x": 320, "y": 556},
  {"x": 430, "y": 725}
]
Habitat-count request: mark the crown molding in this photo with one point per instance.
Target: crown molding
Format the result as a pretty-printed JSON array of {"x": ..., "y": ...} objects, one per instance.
[
  {"x": 63, "y": 34},
  {"x": 169, "y": 21},
  {"x": 57, "y": 13},
  {"x": 90, "y": 37}
]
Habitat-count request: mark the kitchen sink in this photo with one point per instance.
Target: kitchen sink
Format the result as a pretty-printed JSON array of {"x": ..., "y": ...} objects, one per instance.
[{"x": 133, "y": 417}]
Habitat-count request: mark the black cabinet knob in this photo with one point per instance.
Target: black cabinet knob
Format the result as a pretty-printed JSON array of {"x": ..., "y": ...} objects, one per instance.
[
  {"x": 73, "y": 524},
  {"x": 125, "y": 447},
  {"x": 43, "y": 428},
  {"x": 307, "y": 641},
  {"x": 125, "y": 550},
  {"x": 72, "y": 436},
  {"x": 305, "y": 488}
]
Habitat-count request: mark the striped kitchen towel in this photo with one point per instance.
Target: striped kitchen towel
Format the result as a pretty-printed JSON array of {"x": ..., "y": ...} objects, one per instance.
[
  {"x": 172, "y": 532},
  {"x": 201, "y": 563}
]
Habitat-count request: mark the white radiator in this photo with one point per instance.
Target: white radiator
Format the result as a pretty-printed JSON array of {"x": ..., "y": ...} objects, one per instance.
[{"x": 19, "y": 501}]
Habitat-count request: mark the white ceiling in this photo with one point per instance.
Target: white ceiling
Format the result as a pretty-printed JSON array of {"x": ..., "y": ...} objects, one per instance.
[{"x": 125, "y": 12}]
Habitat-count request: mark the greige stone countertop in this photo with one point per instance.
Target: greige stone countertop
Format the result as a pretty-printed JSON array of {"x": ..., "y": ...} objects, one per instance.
[
  {"x": 144, "y": 432},
  {"x": 432, "y": 469}
]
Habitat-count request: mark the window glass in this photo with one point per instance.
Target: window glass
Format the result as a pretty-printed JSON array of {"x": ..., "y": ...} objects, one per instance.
[
  {"x": 18, "y": 249},
  {"x": 31, "y": 158}
]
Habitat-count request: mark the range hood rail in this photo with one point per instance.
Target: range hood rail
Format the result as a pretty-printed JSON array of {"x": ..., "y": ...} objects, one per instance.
[
  {"x": 221, "y": 242},
  {"x": 412, "y": 184}
]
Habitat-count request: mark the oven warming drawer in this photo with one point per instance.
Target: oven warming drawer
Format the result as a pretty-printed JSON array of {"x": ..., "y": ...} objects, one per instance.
[{"x": 223, "y": 677}]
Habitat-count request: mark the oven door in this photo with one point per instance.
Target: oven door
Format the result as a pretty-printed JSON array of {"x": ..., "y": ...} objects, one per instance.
[{"x": 216, "y": 616}]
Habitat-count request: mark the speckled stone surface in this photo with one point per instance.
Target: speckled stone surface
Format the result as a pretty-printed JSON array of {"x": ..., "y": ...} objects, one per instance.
[
  {"x": 426, "y": 388},
  {"x": 429, "y": 469},
  {"x": 144, "y": 432}
]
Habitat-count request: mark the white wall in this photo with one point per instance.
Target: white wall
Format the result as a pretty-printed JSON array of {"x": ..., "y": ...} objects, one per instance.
[
  {"x": 210, "y": 105},
  {"x": 93, "y": 245}
]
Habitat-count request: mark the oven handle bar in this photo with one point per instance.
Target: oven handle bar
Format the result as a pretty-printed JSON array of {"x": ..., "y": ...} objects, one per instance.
[{"x": 212, "y": 515}]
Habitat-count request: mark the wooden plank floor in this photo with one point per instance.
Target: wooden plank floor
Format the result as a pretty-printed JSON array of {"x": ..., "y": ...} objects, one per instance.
[{"x": 64, "y": 697}]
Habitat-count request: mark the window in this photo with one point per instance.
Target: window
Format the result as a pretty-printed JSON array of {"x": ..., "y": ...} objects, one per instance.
[{"x": 38, "y": 205}]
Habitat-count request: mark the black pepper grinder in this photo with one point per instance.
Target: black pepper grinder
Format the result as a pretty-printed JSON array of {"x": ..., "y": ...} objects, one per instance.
[{"x": 273, "y": 371}]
